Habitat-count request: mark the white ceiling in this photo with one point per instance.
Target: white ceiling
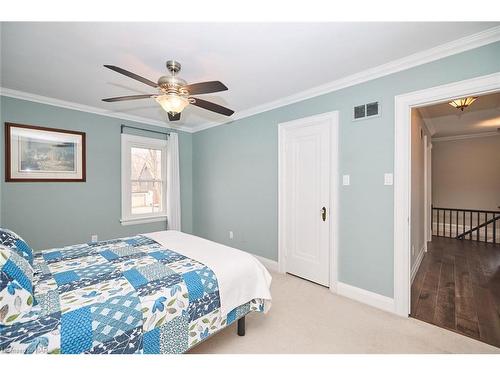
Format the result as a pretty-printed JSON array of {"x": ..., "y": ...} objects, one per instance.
[
  {"x": 482, "y": 116},
  {"x": 260, "y": 63}
]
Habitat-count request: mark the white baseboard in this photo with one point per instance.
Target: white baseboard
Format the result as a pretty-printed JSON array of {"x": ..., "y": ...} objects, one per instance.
[
  {"x": 271, "y": 265},
  {"x": 416, "y": 265},
  {"x": 362, "y": 295}
]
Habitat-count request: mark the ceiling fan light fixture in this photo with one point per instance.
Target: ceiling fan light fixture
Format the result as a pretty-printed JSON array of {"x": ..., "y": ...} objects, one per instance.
[
  {"x": 463, "y": 103},
  {"x": 172, "y": 103},
  {"x": 174, "y": 94}
]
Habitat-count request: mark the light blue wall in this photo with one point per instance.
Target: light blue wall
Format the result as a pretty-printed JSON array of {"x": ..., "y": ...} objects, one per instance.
[
  {"x": 50, "y": 214},
  {"x": 235, "y": 170}
]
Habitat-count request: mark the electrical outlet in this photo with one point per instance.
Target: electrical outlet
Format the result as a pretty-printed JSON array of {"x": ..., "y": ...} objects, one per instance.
[
  {"x": 231, "y": 235},
  {"x": 388, "y": 179},
  {"x": 94, "y": 238}
]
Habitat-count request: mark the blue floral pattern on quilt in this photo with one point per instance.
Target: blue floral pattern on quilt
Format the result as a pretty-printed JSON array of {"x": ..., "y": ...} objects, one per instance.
[
  {"x": 128, "y": 295},
  {"x": 14, "y": 242},
  {"x": 16, "y": 287}
]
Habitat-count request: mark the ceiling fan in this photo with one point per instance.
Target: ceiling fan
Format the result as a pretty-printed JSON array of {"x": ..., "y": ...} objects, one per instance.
[{"x": 174, "y": 93}]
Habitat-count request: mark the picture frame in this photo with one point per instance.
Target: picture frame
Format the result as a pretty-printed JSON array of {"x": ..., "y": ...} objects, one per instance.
[{"x": 42, "y": 154}]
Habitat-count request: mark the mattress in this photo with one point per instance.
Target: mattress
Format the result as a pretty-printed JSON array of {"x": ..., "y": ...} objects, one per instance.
[{"x": 127, "y": 295}]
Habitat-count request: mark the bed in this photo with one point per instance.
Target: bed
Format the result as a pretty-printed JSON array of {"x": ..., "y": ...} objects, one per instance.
[{"x": 161, "y": 292}]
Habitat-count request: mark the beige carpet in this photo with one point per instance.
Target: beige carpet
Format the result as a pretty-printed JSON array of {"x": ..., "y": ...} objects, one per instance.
[{"x": 307, "y": 318}]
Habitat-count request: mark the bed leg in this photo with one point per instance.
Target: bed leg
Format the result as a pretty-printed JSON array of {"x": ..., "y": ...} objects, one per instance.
[{"x": 241, "y": 326}]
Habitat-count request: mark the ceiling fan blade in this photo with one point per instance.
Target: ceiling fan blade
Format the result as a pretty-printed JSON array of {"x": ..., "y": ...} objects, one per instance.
[
  {"x": 132, "y": 75},
  {"x": 205, "y": 87},
  {"x": 212, "y": 107},
  {"x": 129, "y": 97},
  {"x": 175, "y": 117}
]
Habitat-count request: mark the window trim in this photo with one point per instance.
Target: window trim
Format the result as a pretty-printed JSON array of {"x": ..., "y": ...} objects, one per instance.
[{"x": 127, "y": 142}]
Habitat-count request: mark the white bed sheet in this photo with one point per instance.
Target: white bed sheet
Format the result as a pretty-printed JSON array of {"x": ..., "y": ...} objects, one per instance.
[{"x": 241, "y": 277}]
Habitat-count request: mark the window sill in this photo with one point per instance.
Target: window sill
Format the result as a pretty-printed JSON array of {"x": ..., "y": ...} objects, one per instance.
[{"x": 143, "y": 220}]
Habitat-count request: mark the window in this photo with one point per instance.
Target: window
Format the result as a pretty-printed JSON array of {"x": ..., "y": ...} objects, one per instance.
[{"x": 143, "y": 179}]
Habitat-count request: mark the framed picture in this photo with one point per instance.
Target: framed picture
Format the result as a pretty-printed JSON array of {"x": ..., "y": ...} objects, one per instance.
[{"x": 37, "y": 154}]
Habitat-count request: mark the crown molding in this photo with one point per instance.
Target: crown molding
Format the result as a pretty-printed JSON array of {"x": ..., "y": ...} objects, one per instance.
[
  {"x": 465, "y": 136},
  {"x": 482, "y": 38},
  {"x": 429, "y": 124},
  {"x": 85, "y": 108}
]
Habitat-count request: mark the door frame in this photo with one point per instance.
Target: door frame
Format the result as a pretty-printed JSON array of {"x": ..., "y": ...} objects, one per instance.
[
  {"x": 427, "y": 170},
  {"x": 402, "y": 170},
  {"x": 428, "y": 192},
  {"x": 333, "y": 117}
]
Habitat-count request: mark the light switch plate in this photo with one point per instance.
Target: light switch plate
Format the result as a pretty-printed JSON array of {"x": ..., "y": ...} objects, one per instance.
[
  {"x": 94, "y": 238},
  {"x": 346, "y": 180},
  {"x": 388, "y": 179}
]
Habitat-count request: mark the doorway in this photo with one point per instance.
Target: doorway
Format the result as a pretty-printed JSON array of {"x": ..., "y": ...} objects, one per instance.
[
  {"x": 308, "y": 204},
  {"x": 451, "y": 281},
  {"x": 457, "y": 284}
]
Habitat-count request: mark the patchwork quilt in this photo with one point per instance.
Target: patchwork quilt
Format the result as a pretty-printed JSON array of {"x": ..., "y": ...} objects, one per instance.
[{"x": 128, "y": 295}]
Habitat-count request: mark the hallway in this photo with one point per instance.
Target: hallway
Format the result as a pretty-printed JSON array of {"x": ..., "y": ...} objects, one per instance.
[{"x": 458, "y": 288}]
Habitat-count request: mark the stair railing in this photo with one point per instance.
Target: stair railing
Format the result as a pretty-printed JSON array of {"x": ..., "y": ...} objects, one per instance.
[{"x": 466, "y": 224}]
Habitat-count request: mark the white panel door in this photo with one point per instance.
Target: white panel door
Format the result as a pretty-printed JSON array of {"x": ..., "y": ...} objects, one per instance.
[{"x": 306, "y": 176}]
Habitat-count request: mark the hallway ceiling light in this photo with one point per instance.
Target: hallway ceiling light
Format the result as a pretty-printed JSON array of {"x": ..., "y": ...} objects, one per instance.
[{"x": 463, "y": 103}]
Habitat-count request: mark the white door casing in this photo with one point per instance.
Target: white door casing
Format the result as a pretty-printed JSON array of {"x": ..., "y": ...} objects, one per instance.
[
  {"x": 308, "y": 175},
  {"x": 428, "y": 211},
  {"x": 426, "y": 190}
]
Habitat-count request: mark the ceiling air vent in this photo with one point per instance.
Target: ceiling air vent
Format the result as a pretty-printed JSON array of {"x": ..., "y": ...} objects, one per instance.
[{"x": 366, "y": 110}]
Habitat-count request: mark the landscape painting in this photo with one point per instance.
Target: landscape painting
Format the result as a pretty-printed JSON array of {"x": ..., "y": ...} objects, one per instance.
[
  {"x": 46, "y": 156},
  {"x": 36, "y": 153}
]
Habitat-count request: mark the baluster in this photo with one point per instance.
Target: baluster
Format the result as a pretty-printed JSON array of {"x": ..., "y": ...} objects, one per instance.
[
  {"x": 437, "y": 224},
  {"x": 450, "y": 225},
  {"x": 442, "y": 233},
  {"x": 478, "y": 221},
  {"x": 433, "y": 220},
  {"x": 444, "y": 223},
  {"x": 463, "y": 222},
  {"x": 494, "y": 230},
  {"x": 470, "y": 227},
  {"x": 486, "y": 227}
]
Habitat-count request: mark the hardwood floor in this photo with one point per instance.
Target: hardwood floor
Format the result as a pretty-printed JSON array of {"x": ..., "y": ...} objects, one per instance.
[{"x": 457, "y": 287}]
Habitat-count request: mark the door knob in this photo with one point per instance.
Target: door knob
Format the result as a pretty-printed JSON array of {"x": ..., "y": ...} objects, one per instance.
[{"x": 323, "y": 213}]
